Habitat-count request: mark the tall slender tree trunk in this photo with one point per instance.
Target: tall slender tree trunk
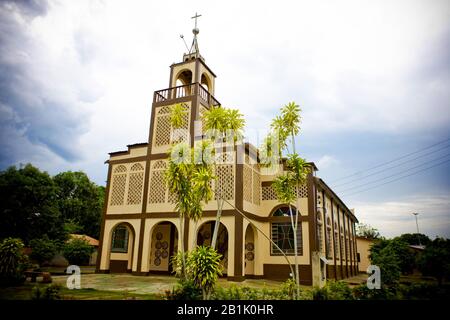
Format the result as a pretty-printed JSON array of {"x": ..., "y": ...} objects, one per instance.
[
  {"x": 294, "y": 229},
  {"x": 183, "y": 271},
  {"x": 217, "y": 224}
]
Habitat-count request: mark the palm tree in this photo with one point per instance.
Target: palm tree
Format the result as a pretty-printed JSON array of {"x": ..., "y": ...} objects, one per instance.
[
  {"x": 187, "y": 179},
  {"x": 221, "y": 123},
  {"x": 286, "y": 185}
]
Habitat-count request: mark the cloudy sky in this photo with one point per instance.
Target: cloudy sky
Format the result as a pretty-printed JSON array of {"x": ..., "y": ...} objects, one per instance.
[{"x": 372, "y": 77}]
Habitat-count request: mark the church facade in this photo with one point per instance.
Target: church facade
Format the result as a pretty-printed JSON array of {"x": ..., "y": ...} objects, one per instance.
[{"x": 140, "y": 228}]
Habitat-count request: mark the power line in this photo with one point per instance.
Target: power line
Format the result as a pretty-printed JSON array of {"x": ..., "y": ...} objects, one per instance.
[
  {"x": 393, "y": 175},
  {"x": 391, "y": 161},
  {"x": 392, "y": 167},
  {"x": 399, "y": 178}
]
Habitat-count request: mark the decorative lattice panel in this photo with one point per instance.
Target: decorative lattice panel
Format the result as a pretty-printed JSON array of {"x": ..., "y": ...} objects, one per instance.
[
  {"x": 135, "y": 188},
  {"x": 247, "y": 183},
  {"x": 164, "y": 110},
  {"x": 163, "y": 131},
  {"x": 225, "y": 181},
  {"x": 181, "y": 134},
  {"x": 159, "y": 165},
  {"x": 256, "y": 188},
  {"x": 172, "y": 197},
  {"x": 157, "y": 190},
  {"x": 303, "y": 191},
  {"x": 137, "y": 167},
  {"x": 120, "y": 169},
  {"x": 118, "y": 189},
  {"x": 224, "y": 158},
  {"x": 268, "y": 193}
]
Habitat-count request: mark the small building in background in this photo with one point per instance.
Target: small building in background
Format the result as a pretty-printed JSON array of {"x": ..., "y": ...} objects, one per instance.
[
  {"x": 363, "y": 249},
  {"x": 59, "y": 260}
]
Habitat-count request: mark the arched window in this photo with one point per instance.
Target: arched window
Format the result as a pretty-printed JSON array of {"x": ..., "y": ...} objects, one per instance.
[
  {"x": 336, "y": 241},
  {"x": 283, "y": 235},
  {"x": 284, "y": 212},
  {"x": 205, "y": 82},
  {"x": 328, "y": 253},
  {"x": 120, "y": 238},
  {"x": 320, "y": 231}
]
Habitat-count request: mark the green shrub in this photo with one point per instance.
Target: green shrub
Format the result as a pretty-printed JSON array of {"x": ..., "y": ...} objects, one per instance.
[
  {"x": 424, "y": 291},
  {"x": 333, "y": 290},
  {"x": 51, "y": 292},
  {"x": 185, "y": 290},
  {"x": 78, "y": 251},
  {"x": 362, "y": 292},
  {"x": 43, "y": 250},
  {"x": 12, "y": 262},
  {"x": 204, "y": 268}
]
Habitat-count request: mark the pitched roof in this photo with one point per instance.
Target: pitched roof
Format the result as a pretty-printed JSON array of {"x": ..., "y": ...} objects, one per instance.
[{"x": 92, "y": 241}]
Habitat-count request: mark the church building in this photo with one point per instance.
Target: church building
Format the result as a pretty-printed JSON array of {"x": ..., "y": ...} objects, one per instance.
[{"x": 140, "y": 227}]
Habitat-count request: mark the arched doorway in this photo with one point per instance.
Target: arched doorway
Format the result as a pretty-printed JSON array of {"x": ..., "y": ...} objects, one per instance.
[
  {"x": 164, "y": 244},
  {"x": 204, "y": 81},
  {"x": 250, "y": 252},
  {"x": 182, "y": 82},
  {"x": 122, "y": 247},
  {"x": 204, "y": 237}
]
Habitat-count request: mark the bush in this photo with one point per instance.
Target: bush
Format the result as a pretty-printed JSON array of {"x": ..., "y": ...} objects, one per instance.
[
  {"x": 362, "y": 292},
  {"x": 204, "y": 268},
  {"x": 333, "y": 290},
  {"x": 12, "y": 262},
  {"x": 435, "y": 260},
  {"x": 235, "y": 292},
  {"x": 185, "y": 290},
  {"x": 43, "y": 250},
  {"x": 78, "y": 251},
  {"x": 389, "y": 263},
  {"x": 425, "y": 291},
  {"x": 50, "y": 292}
]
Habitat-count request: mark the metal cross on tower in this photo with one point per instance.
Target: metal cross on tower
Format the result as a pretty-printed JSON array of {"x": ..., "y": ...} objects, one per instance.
[
  {"x": 195, "y": 31},
  {"x": 195, "y": 17}
]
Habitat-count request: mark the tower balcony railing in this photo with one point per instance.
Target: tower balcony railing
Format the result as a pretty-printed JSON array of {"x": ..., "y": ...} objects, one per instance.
[{"x": 187, "y": 90}]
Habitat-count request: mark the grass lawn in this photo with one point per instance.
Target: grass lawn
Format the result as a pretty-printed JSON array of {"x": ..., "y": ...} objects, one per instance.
[{"x": 119, "y": 287}]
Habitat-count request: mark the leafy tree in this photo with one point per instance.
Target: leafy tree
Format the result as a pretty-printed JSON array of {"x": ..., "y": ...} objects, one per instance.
[
  {"x": 389, "y": 263},
  {"x": 221, "y": 123},
  {"x": 77, "y": 251},
  {"x": 204, "y": 268},
  {"x": 12, "y": 262},
  {"x": 435, "y": 259},
  {"x": 188, "y": 178},
  {"x": 333, "y": 290},
  {"x": 284, "y": 127},
  {"x": 367, "y": 231},
  {"x": 406, "y": 257},
  {"x": 28, "y": 206},
  {"x": 43, "y": 249},
  {"x": 415, "y": 238},
  {"x": 80, "y": 201}
]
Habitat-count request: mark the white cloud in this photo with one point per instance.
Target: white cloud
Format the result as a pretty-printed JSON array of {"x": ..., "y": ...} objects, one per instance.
[
  {"x": 395, "y": 217},
  {"x": 352, "y": 65},
  {"x": 326, "y": 161}
]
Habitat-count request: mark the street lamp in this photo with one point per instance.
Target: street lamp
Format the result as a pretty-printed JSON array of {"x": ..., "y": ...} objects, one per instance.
[{"x": 417, "y": 226}]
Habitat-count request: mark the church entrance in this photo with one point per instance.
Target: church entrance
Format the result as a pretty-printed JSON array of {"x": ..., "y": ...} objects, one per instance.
[
  {"x": 164, "y": 244},
  {"x": 204, "y": 237}
]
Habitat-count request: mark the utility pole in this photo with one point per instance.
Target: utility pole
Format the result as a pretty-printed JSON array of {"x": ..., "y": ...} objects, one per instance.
[{"x": 417, "y": 226}]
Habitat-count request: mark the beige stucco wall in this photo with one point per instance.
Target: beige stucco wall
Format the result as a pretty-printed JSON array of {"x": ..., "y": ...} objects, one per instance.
[
  {"x": 363, "y": 246},
  {"x": 133, "y": 244},
  {"x": 125, "y": 208},
  {"x": 134, "y": 152}
]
